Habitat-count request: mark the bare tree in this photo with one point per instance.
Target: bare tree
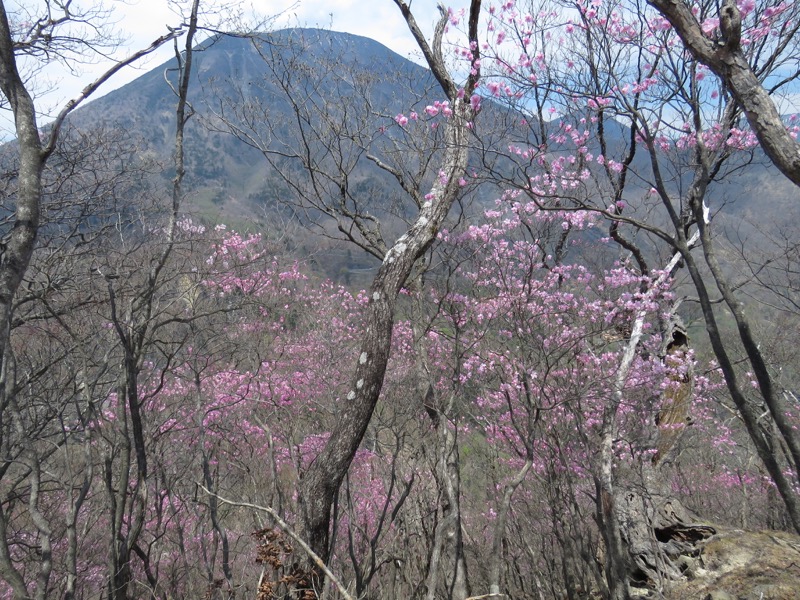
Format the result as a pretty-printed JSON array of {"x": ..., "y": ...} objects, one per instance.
[
  {"x": 33, "y": 154},
  {"x": 323, "y": 478},
  {"x": 34, "y": 150}
]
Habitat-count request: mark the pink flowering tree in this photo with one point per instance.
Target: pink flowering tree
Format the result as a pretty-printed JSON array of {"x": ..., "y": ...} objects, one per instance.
[
  {"x": 611, "y": 67},
  {"x": 746, "y": 45},
  {"x": 544, "y": 355},
  {"x": 426, "y": 171},
  {"x": 591, "y": 112},
  {"x": 539, "y": 347}
]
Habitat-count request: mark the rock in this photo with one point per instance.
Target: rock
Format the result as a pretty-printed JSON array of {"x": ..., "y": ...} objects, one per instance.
[
  {"x": 719, "y": 595},
  {"x": 744, "y": 565}
]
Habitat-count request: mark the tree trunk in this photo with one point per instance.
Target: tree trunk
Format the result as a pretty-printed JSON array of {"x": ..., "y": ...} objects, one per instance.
[
  {"x": 16, "y": 251},
  {"x": 325, "y": 474},
  {"x": 659, "y": 532}
]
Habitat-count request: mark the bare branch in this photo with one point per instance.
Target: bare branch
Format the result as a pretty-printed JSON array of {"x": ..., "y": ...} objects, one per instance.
[{"x": 92, "y": 87}]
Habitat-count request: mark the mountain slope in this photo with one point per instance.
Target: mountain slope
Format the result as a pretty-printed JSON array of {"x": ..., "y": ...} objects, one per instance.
[{"x": 237, "y": 80}]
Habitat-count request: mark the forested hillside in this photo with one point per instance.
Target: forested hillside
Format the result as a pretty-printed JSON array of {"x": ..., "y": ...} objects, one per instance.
[{"x": 293, "y": 317}]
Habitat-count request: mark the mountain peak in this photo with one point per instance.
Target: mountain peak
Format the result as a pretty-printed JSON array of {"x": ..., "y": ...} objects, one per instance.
[{"x": 236, "y": 73}]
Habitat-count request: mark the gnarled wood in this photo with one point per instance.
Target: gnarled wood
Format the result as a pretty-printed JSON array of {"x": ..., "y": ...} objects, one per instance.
[{"x": 659, "y": 531}]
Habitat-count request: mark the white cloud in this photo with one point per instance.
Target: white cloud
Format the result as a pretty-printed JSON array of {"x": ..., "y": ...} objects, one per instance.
[{"x": 380, "y": 20}]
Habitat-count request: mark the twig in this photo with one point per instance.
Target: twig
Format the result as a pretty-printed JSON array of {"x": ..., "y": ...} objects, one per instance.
[
  {"x": 92, "y": 87},
  {"x": 290, "y": 532}
]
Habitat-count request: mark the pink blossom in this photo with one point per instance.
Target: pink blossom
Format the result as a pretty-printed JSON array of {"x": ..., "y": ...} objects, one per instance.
[
  {"x": 746, "y": 7},
  {"x": 709, "y": 25},
  {"x": 475, "y": 102}
]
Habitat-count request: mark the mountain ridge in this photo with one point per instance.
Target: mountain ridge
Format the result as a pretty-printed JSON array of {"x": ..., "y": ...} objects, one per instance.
[{"x": 223, "y": 170}]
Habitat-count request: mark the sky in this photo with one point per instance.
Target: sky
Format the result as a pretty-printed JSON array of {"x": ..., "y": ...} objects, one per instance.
[{"x": 142, "y": 21}]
